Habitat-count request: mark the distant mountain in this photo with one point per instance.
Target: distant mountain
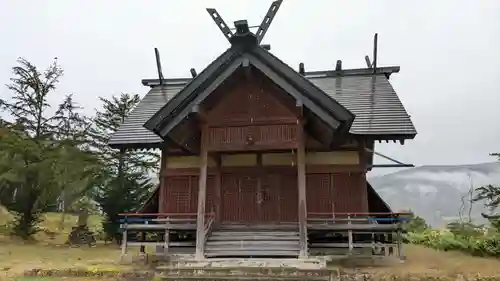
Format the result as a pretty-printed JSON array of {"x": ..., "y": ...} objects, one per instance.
[{"x": 436, "y": 192}]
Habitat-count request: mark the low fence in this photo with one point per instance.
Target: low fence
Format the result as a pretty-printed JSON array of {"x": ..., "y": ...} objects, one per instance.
[
  {"x": 164, "y": 224},
  {"x": 363, "y": 231}
]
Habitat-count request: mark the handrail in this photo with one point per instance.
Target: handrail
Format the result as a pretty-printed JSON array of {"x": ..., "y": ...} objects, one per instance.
[
  {"x": 176, "y": 218},
  {"x": 161, "y": 214},
  {"x": 208, "y": 226},
  {"x": 206, "y": 230},
  {"x": 359, "y": 213},
  {"x": 374, "y": 217}
]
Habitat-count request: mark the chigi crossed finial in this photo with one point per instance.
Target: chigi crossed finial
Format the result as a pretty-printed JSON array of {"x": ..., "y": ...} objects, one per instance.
[{"x": 262, "y": 28}]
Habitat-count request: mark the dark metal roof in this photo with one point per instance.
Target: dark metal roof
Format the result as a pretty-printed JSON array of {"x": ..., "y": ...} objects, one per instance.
[
  {"x": 244, "y": 51},
  {"x": 300, "y": 82},
  {"x": 373, "y": 100},
  {"x": 132, "y": 131},
  {"x": 378, "y": 109}
]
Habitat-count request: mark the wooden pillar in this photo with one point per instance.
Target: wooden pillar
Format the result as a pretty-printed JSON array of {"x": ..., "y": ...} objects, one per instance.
[
  {"x": 218, "y": 189},
  {"x": 124, "y": 237},
  {"x": 301, "y": 179},
  {"x": 260, "y": 194},
  {"x": 202, "y": 195},
  {"x": 162, "y": 197},
  {"x": 350, "y": 240},
  {"x": 363, "y": 184},
  {"x": 163, "y": 181},
  {"x": 400, "y": 240}
]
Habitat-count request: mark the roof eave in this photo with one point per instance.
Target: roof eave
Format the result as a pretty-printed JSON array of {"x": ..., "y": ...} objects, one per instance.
[
  {"x": 169, "y": 122},
  {"x": 339, "y": 111},
  {"x": 387, "y": 70},
  {"x": 166, "y": 82},
  {"x": 136, "y": 145},
  {"x": 386, "y": 137},
  {"x": 191, "y": 86}
]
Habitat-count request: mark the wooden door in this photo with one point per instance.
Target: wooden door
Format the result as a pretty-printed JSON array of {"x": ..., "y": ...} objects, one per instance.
[
  {"x": 268, "y": 198},
  {"x": 289, "y": 197},
  {"x": 239, "y": 197}
]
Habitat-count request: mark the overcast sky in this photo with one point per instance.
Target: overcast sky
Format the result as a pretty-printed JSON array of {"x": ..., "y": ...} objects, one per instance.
[{"x": 449, "y": 53}]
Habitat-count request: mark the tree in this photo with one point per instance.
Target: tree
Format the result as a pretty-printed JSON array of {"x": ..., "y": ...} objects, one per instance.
[
  {"x": 79, "y": 164},
  {"x": 35, "y": 146},
  {"x": 490, "y": 194},
  {"x": 125, "y": 183},
  {"x": 28, "y": 179},
  {"x": 416, "y": 223}
]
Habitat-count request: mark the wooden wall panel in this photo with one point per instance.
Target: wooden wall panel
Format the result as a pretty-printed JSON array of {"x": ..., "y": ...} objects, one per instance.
[
  {"x": 319, "y": 193},
  {"x": 279, "y": 159},
  {"x": 332, "y": 158},
  {"x": 181, "y": 162},
  {"x": 254, "y": 100},
  {"x": 277, "y": 194},
  {"x": 337, "y": 192},
  {"x": 350, "y": 192},
  {"x": 254, "y": 114},
  {"x": 179, "y": 195},
  {"x": 250, "y": 137},
  {"x": 182, "y": 194},
  {"x": 238, "y": 160}
]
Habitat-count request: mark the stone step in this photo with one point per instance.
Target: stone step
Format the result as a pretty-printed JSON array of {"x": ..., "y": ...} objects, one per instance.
[
  {"x": 242, "y": 277},
  {"x": 255, "y": 265},
  {"x": 262, "y": 270}
]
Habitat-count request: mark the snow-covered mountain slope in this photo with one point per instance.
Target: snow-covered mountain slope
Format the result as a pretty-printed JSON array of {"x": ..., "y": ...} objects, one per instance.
[{"x": 437, "y": 193}]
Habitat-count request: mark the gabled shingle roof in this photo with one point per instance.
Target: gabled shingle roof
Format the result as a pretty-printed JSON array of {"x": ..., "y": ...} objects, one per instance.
[
  {"x": 378, "y": 109},
  {"x": 243, "y": 53},
  {"x": 372, "y": 99},
  {"x": 132, "y": 131}
]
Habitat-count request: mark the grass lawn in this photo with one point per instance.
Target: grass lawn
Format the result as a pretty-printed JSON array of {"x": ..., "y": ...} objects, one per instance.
[
  {"x": 61, "y": 279},
  {"x": 421, "y": 260},
  {"x": 49, "y": 252}
]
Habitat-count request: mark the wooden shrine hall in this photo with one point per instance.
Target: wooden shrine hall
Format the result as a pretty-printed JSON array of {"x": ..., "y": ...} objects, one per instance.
[{"x": 261, "y": 159}]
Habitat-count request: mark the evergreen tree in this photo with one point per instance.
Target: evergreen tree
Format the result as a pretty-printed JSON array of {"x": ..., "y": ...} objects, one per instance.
[
  {"x": 33, "y": 150},
  {"x": 490, "y": 194},
  {"x": 126, "y": 181},
  {"x": 79, "y": 165}
]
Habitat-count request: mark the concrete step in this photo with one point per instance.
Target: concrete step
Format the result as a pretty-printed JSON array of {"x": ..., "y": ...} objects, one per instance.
[
  {"x": 243, "y": 269},
  {"x": 255, "y": 265},
  {"x": 241, "y": 277},
  {"x": 243, "y": 272}
]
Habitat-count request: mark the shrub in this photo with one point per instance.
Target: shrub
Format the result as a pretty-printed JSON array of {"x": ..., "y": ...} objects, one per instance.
[{"x": 474, "y": 243}]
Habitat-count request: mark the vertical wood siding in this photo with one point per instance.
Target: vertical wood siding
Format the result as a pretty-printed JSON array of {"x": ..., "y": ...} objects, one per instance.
[
  {"x": 182, "y": 194},
  {"x": 252, "y": 115},
  {"x": 339, "y": 192},
  {"x": 275, "y": 199}
]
